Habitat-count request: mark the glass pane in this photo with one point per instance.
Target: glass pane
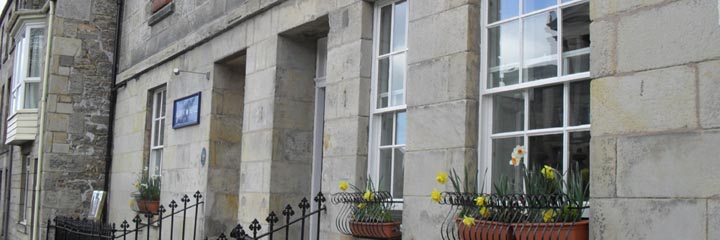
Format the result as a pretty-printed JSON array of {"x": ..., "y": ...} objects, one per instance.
[
  {"x": 534, "y": 5},
  {"x": 157, "y": 104},
  {"x": 503, "y": 55},
  {"x": 400, "y": 26},
  {"x": 576, "y": 39},
  {"x": 398, "y": 173},
  {"x": 579, "y": 154},
  {"x": 385, "y": 20},
  {"x": 508, "y": 112},
  {"x": 155, "y": 162},
  {"x": 156, "y": 132},
  {"x": 400, "y": 128},
  {"x": 546, "y": 150},
  {"x": 385, "y": 169},
  {"x": 580, "y": 103},
  {"x": 540, "y": 46},
  {"x": 36, "y": 41},
  {"x": 32, "y": 95},
  {"x": 162, "y": 104},
  {"x": 398, "y": 80},
  {"x": 546, "y": 107},
  {"x": 502, "y": 9},
  {"x": 382, "y": 87},
  {"x": 502, "y": 171},
  {"x": 386, "y": 129},
  {"x": 161, "y": 136}
]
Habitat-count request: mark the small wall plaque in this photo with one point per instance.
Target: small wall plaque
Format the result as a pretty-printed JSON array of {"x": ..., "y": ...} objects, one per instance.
[{"x": 186, "y": 111}]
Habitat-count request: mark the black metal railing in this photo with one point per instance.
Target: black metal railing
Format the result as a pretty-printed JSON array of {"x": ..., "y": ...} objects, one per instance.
[
  {"x": 65, "y": 228},
  {"x": 368, "y": 215},
  {"x": 513, "y": 217}
]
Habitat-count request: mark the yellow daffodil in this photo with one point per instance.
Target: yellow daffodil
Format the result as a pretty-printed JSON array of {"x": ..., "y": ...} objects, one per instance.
[
  {"x": 361, "y": 206},
  {"x": 441, "y": 177},
  {"x": 548, "y": 215},
  {"x": 485, "y": 212},
  {"x": 435, "y": 195},
  {"x": 519, "y": 151},
  {"x": 514, "y": 161},
  {"x": 368, "y": 196},
  {"x": 132, "y": 203},
  {"x": 343, "y": 185},
  {"x": 468, "y": 221},
  {"x": 548, "y": 172},
  {"x": 481, "y": 201},
  {"x": 136, "y": 184}
]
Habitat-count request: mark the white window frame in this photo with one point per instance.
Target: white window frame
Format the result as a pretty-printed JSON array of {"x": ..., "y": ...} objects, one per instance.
[
  {"x": 159, "y": 98},
  {"x": 375, "y": 112},
  {"x": 486, "y": 94},
  {"x": 20, "y": 67},
  {"x": 27, "y": 196}
]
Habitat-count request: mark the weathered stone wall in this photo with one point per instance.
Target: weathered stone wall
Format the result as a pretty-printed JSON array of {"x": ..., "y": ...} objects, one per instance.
[{"x": 655, "y": 119}]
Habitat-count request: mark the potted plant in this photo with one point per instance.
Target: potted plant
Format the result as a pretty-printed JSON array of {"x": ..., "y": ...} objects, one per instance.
[
  {"x": 371, "y": 217},
  {"x": 147, "y": 196}
]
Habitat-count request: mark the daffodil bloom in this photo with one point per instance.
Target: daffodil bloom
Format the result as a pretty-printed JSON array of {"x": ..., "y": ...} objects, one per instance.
[
  {"x": 481, "y": 201},
  {"x": 343, "y": 185},
  {"x": 132, "y": 203},
  {"x": 361, "y": 206},
  {"x": 435, "y": 195},
  {"x": 485, "y": 212},
  {"x": 548, "y": 172},
  {"x": 514, "y": 160},
  {"x": 368, "y": 195},
  {"x": 468, "y": 221},
  {"x": 136, "y": 184},
  {"x": 519, "y": 151},
  {"x": 441, "y": 177},
  {"x": 548, "y": 215}
]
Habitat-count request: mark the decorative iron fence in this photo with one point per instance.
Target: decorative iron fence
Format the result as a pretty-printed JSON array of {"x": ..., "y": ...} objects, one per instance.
[
  {"x": 82, "y": 229},
  {"x": 513, "y": 217},
  {"x": 367, "y": 215}
]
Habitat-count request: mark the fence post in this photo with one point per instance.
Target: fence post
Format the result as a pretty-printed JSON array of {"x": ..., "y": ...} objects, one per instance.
[
  {"x": 137, "y": 221},
  {"x": 320, "y": 199},
  {"x": 161, "y": 210},
  {"x": 304, "y": 205},
  {"x": 287, "y": 212},
  {"x": 197, "y": 197},
  {"x": 255, "y": 227},
  {"x": 185, "y": 200}
]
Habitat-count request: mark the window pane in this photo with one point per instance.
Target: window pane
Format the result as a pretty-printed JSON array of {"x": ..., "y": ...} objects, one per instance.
[
  {"x": 155, "y": 162},
  {"x": 385, "y": 169},
  {"x": 386, "y": 129},
  {"x": 398, "y": 173},
  {"x": 36, "y": 40},
  {"x": 501, "y": 168},
  {"x": 155, "y": 132},
  {"x": 540, "y": 46},
  {"x": 502, "y": 9},
  {"x": 161, "y": 136},
  {"x": 400, "y": 128},
  {"x": 503, "y": 54},
  {"x": 579, "y": 152},
  {"x": 385, "y": 20},
  {"x": 400, "y": 26},
  {"x": 546, "y": 107},
  {"x": 576, "y": 39},
  {"x": 382, "y": 87},
  {"x": 508, "y": 112},
  {"x": 32, "y": 95},
  {"x": 579, "y": 103},
  {"x": 546, "y": 150},
  {"x": 534, "y": 5},
  {"x": 162, "y": 102},
  {"x": 398, "y": 80}
]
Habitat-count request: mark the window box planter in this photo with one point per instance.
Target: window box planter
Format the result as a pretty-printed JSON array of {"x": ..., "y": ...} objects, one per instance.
[
  {"x": 148, "y": 206},
  {"x": 484, "y": 230},
  {"x": 543, "y": 231},
  {"x": 386, "y": 230}
]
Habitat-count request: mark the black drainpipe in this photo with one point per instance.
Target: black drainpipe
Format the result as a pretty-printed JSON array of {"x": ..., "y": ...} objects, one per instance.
[
  {"x": 9, "y": 192},
  {"x": 113, "y": 100}
]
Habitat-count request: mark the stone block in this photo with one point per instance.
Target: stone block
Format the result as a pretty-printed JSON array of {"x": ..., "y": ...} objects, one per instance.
[
  {"x": 258, "y": 115},
  {"x": 352, "y": 169},
  {"x": 255, "y": 177},
  {"x": 603, "y": 34},
  {"x": 442, "y": 34},
  {"x": 349, "y": 61},
  {"x": 444, "y": 125},
  {"x": 257, "y": 146},
  {"x": 347, "y": 98},
  {"x": 346, "y": 136},
  {"x": 262, "y": 55},
  {"x": 260, "y": 84},
  {"x": 709, "y": 97},
  {"x": 66, "y": 46},
  {"x": 651, "y": 101},
  {"x": 292, "y": 114},
  {"x": 351, "y": 23},
  {"x": 424, "y": 8},
  {"x": 74, "y": 9},
  {"x": 649, "y": 167},
  {"x": 422, "y": 218},
  {"x": 647, "y": 219},
  {"x": 295, "y": 84},
  {"x": 443, "y": 79},
  {"x": 57, "y": 122},
  {"x": 603, "y": 166},
  {"x": 599, "y": 9},
  {"x": 640, "y": 35},
  {"x": 713, "y": 214},
  {"x": 421, "y": 167}
]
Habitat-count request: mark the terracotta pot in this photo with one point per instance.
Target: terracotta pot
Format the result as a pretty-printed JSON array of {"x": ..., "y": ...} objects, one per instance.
[
  {"x": 484, "y": 230},
  {"x": 158, "y": 4},
  {"x": 148, "y": 206},
  {"x": 548, "y": 231},
  {"x": 387, "y": 230}
]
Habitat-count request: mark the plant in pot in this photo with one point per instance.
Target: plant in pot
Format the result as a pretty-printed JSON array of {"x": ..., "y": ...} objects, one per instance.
[
  {"x": 148, "y": 193},
  {"x": 371, "y": 216}
]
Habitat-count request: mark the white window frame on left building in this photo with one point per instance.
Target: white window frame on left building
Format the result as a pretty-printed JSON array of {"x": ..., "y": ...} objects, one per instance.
[
  {"x": 157, "y": 131},
  {"x": 26, "y": 78}
]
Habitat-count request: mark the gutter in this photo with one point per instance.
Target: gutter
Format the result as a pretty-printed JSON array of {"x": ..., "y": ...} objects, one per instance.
[
  {"x": 41, "y": 131},
  {"x": 113, "y": 101}
]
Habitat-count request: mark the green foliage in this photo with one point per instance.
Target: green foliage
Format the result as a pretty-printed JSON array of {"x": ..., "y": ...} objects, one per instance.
[
  {"x": 148, "y": 187},
  {"x": 371, "y": 209}
]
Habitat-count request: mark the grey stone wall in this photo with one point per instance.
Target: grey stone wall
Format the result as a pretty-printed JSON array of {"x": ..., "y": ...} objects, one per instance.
[{"x": 655, "y": 111}]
